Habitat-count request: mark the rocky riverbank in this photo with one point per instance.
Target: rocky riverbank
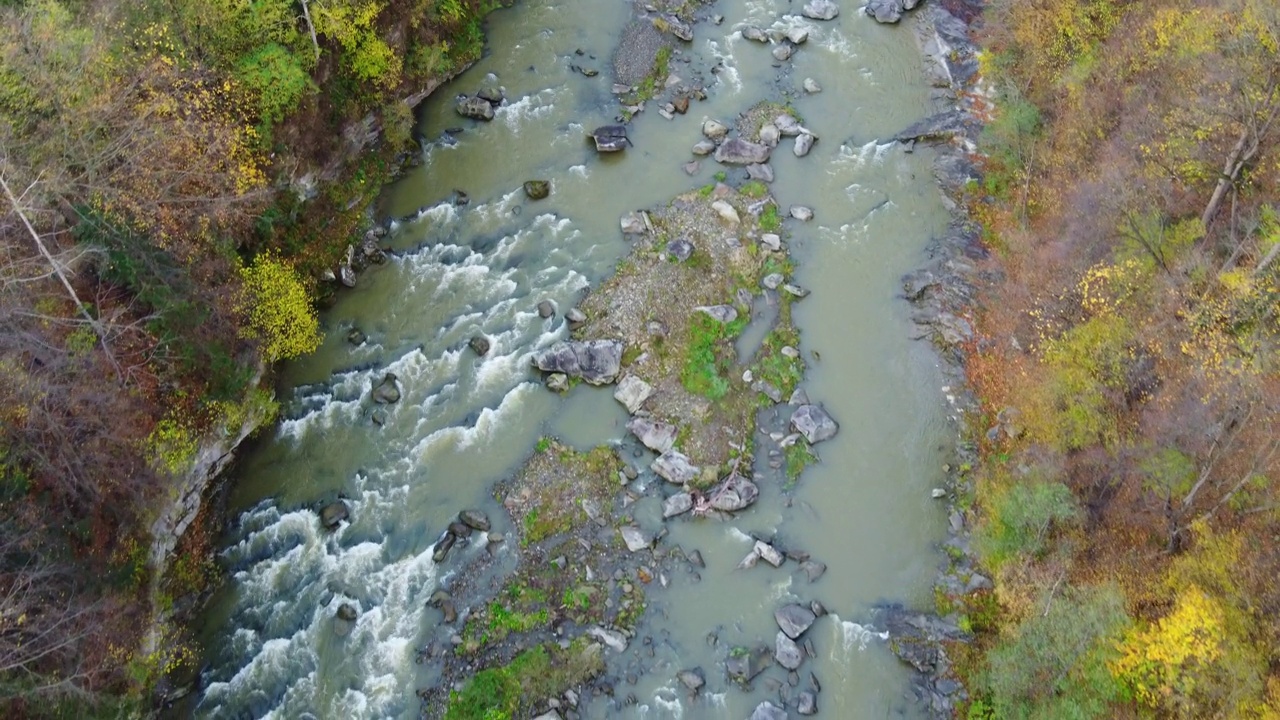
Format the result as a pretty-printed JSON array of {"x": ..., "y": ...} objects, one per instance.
[{"x": 943, "y": 294}]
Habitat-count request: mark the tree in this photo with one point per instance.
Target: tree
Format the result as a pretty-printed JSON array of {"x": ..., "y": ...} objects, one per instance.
[{"x": 1053, "y": 666}]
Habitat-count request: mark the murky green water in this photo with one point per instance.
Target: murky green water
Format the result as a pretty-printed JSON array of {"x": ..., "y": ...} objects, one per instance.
[{"x": 465, "y": 421}]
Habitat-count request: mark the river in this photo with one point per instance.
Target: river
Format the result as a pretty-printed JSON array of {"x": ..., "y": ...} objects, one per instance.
[{"x": 464, "y": 422}]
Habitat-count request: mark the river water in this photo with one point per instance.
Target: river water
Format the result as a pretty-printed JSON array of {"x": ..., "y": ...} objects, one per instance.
[{"x": 465, "y": 422}]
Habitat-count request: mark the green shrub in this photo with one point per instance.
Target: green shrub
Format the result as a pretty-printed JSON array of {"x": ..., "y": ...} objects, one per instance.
[
  {"x": 278, "y": 309},
  {"x": 275, "y": 78},
  {"x": 1022, "y": 520},
  {"x": 1053, "y": 666},
  {"x": 706, "y": 356}
]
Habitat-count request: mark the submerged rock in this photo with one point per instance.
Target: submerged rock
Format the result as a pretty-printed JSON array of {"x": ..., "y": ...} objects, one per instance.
[
  {"x": 537, "y": 189},
  {"x": 744, "y": 664},
  {"x": 760, "y": 171},
  {"x": 387, "y": 391},
  {"x": 692, "y": 679},
  {"x": 596, "y": 361},
  {"x": 333, "y": 514},
  {"x": 768, "y": 711},
  {"x": 557, "y": 382}
]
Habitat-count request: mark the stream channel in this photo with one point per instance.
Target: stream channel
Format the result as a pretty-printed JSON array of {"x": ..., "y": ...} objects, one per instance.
[{"x": 465, "y": 422}]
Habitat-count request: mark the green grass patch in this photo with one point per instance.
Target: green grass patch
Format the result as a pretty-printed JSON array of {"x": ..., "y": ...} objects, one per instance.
[
  {"x": 500, "y": 693},
  {"x": 707, "y": 355},
  {"x": 773, "y": 367},
  {"x": 721, "y": 176},
  {"x": 798, "y": 456},
  {"x": 755, "y": 189},
  {"x": 652, "y": 83},
  {"x": 770, "y": 220}
]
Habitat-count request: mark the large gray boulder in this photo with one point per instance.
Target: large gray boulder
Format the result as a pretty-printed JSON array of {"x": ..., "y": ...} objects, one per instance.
[
  {"x": 787, "y": 652},
  {"x": 814, "y": 423},
  {"x": 476, "y": 108},
  {"x": 794, "y": 619},
  {"x": 736, "y": 151},
  {"x": 596, "y": 361},
  {"x": 820, "y": 10},
  {"x": 610, "y": 138},
  {"x": 657, "y": 436},
  {"x": 734, "y": 494},
  {"x": 889, "y": 11},
  {"x": 768, "y": 711},
  {"x": 675, "y": 467},
  {"x": 632, "y": 392}
]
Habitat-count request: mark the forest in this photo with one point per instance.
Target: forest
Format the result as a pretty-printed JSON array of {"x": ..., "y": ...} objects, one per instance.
[
  {"x": 1126, "y": 498},
  {"x": 178, "y": 176}
]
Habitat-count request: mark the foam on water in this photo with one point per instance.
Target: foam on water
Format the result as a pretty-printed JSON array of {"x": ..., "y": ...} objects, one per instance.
[
  {"x": 836, "y": 43},
  {"x": 853, "y": 636},
  {"x": 723, "y": 53},
  {"x": 529, "y": 107}
]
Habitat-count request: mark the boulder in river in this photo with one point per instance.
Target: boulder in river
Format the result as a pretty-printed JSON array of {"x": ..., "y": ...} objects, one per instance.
[
  {"x": 787, "y": 125},
  {"x": 787, "y": 652},
  {"x": 558, "y": 382},
  {"x": 736, "y": 151},
  {"x": 479, "y": 345},
  {"x": 387, "y": 391},
  {"x": 546, "y": 309},
  {"x": 798, "y": 35},
  {"x": 769, "y": 135},
  {"x": 804, "y": 143},
  {"x": 783, "y": 52},
  {"x": 346, "y": 612},
  {"x": 820, "y": 10},
  {"x": 794, "y": 620},
  {"x": 632, "y": 392},
  {"x": 803, "y": 213},
  {"x": 596, "y": 361},
  {"x": 355, "y": 336},
  {"x": 537, "y": 189},
  {"x": 768, "y": 711},
  {"x": 807, "y": 703},
  {"x": 575, "y": 315},
  {"x": 744, "y": 664},
  {"x": 693, "y": 679},
  {"x": 889, "y": 11},
  {"x": 677, "y": 504},
  {"x": 704, "y": 147},
  {"x": 657, "y": 436},
  {"x": 734, "y": 494},
  {"x": 610, "y": 138},
  {"x": 814, "y": 423},
  {"x": 675, "y": 467},
  {"x": 755, "y": 34},
  {"x": 474, "y": 519},
  {"x": 811, "y": 86},
  {"x": 714, "y": 130},
  {"x": 333, "y": 514},
  {"x": 760, "y": 171},
  {"x": 632, "y": 224},
  {"x": 677, "y": 27},
  {"x": 476, "y": 108}
]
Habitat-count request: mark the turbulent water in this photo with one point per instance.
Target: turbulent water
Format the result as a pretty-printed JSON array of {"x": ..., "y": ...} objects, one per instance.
[{"x": 465, "y": 422}]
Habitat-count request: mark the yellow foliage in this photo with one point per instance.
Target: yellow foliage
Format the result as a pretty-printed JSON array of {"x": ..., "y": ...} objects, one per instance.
[
  {"x": 1161, "y": 663},
  {"x": 278, "y": 309}
]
